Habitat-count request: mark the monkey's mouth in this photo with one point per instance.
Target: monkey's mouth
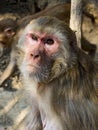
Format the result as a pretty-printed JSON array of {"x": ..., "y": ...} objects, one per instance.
[{"x": 32, "y": 68}]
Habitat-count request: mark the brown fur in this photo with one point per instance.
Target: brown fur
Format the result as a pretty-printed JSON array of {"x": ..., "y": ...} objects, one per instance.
[{"x": 67, "y": 97}]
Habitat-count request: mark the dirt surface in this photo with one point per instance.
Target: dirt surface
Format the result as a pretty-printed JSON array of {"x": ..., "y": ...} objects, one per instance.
[{"x": 13, "y": 103}]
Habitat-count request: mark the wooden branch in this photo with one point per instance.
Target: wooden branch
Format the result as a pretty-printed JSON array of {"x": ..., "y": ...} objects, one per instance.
[{"x": 76, "y": 19}]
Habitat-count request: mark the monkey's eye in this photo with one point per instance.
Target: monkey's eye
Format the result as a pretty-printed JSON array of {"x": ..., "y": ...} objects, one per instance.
[
  {"x": 49, "y": 41},
  {"x": 8, "y": 30},
  {"x": 34, "y": 37}
]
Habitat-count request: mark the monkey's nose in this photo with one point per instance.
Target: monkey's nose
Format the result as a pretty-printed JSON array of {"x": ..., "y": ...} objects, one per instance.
[{"x": 35, "y": 55}]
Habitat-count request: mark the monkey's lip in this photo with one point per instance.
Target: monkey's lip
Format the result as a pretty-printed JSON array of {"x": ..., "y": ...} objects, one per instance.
[{"x": 32, "y": 67}]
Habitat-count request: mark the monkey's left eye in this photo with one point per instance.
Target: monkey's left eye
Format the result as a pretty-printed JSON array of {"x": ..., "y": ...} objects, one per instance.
[
  {"x": 34, "y": 37},
  {"x": 49, "y": 41}
]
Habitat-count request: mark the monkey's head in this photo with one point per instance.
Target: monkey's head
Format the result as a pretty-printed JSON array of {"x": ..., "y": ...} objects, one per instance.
[
  {"x": 49, "y": 47},
  {"x": 8, "y": 28}
]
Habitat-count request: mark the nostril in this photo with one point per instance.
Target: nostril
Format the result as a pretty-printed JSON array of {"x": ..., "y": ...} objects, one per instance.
[
  {"x": 32, "y": 55},
  {"x": 35, "y": 56}
]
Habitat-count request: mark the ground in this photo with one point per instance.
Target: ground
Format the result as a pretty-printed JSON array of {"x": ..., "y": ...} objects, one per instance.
[{"x": 13, "y": 104}]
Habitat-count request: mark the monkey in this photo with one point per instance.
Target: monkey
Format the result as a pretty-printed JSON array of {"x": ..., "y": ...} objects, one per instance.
[
  {"x": 60, "y": 11},
  {"x": 8, "y": 31},
  {"x": 59, "y": 77},
  {"x": 8, "y": 28}
]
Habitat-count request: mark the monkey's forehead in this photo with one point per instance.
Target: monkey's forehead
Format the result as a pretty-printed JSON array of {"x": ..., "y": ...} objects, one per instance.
[
  {"x": 40, "y": 28},
  {"x": 49, "y": 24},
  {"x": 46, "y": 23}
]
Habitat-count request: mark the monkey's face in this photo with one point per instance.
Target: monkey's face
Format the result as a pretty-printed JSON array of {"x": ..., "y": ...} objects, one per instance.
[
  {"x": 47, "y": 51},
  {"x": 40, "y": 51},
  {"x": 6, "y": 37},
  {"x": 7, "y": 31}
]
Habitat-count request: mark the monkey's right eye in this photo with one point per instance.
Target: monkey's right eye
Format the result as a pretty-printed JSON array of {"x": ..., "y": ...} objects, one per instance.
[
  {"x": 48, "y": 41},
  {"x": 34, "y": 37}
]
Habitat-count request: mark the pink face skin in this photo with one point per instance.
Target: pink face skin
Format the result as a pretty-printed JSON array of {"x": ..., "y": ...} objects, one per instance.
[
  {"x": 47, "y": 43},
  {"x": 37, "y": 42}
]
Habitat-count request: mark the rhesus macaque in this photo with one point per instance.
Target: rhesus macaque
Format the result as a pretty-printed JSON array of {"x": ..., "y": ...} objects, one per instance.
[
  {"x": 60, "y": 11},
  {"x": 8, "y": 28},
  {"x": 59, "y": 77},
  {"x": 8, "y": 31}
]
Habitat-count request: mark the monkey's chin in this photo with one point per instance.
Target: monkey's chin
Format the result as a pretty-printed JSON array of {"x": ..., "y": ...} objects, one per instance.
[{"x": 38, "y": 74}]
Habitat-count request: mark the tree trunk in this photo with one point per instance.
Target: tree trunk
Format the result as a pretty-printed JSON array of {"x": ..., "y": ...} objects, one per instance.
[{"x": 76, "y": 19}]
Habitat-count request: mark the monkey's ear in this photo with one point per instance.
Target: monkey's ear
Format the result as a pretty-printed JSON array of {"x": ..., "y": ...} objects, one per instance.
[{"x": 9, "y": 32}]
